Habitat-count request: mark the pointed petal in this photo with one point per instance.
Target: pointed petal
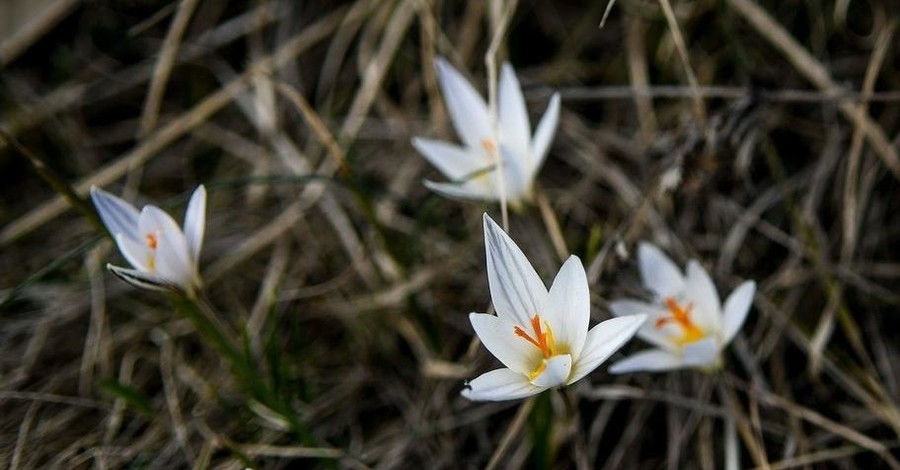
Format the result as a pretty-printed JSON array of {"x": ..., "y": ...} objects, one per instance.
[
  {"x": 653, "y": 360},
  {"x": 118, "y": 215},
  {"x": 703, "y": 353},
  {"x": 515, "y": 128},
  {"x": 468, "y": 111},
  {"x": 556, "y": 371},
  {"x": 465, "y": 191},
  {"x": 700, "y": 290},
  {"x": 603, "y": 340},
  {"x": 736, "y": 308},
  {"x": 137, "y": 254},
  {"x": 543, "y": 134},
  {"x": 499, "y": 385},
  {"x": 172, "y": 259},
  {"x": 143, "y": 280},
  {"x": 648, "y": 332},
  {"x": 499, "y": 337},
  {"x": 455, "y": 162},
  {"x": 659, "y": 273},
  {"x": 569, "y": 309},
  {"x": 516, "y": 290},
  {"x": 195, "y": 222}
]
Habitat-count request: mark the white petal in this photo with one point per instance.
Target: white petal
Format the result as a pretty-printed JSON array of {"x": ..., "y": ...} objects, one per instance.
[
  {"x": 703, "y": 353},
  {"x": 499, "y": 337},
  {"x": 700, "y": 290},
  {"x": 603, "y": 340},
  {"x": 137, "y": 254},
  {"x": 468, "y": 111},
  {"x": 500, "y": 384},
  {"x": 556, "y": 371},
  {"x": 172, "y": 258},
  {"x": 653, "y": 360},
  {"x": 736, "y": 308},
  {"x": 517, "y": 178},
  {"x": 118, "y": 215},
  {"x": 543, "y": 134},
  {"x": 659, "y": 337},
  {"x": 659, "y": 273},
  {"x": 515, "y": 128},
  {"x": 142, "y": 279},
  {"x": 568, "y": 310},
  {"x": 173, "y": 263},
  {"x": 466, "y": 191},
  {"x": 455, "y": 162},
  {"x": 516, "y": 290},
  {"x": 195, "y": 222}
]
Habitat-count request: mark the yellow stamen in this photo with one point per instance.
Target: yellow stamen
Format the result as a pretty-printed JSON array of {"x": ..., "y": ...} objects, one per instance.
[
  {"x": 540, "y": 370},
  {"x": 681, "y": 317}
]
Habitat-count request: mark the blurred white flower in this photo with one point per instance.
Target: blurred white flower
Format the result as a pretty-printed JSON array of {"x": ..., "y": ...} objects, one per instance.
[
  {"x": 687, "y": 322},
  {"x": 541, "y": 337},
  {"x": 161, "y": 255},
  {"x": 472, "y": 167}
]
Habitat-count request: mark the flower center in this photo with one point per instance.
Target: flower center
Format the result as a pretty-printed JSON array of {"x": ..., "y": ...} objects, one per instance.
[
  {"x": 490, "y": 147},
  {"x": 542, "y": 338},
  {"x": 681, "y": 316},
  {"x": 152, "y": 242}
]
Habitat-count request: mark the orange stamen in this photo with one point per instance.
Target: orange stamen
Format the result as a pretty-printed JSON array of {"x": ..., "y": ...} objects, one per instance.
[
  {"x": 542, "y": 340},
  {"x": 682, "y": 317},
  {"x": 152, "y": 240},
  {"x": 489, "y": 145}
]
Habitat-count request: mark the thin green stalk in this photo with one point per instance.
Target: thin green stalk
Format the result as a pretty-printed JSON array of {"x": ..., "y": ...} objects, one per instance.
[
  {"x": 541, "y": 423},
  {"x": 204, "y": 319}
]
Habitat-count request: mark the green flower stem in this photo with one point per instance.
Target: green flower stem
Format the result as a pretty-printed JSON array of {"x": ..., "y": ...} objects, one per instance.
[
  {"x": 202, "y": 315},
  {"x": 541, "y": 423}
]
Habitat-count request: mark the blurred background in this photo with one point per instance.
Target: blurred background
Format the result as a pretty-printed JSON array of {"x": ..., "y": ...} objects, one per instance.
[{"x": 760, "y": 138}]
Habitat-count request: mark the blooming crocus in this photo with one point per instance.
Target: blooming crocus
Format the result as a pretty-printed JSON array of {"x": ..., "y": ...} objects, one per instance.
[
  {"x": 161, "y": 255},
  {"x": 541, "y": 337},
  {"x": 472, "y": 167},
  {"x": 687, "y": 323}
]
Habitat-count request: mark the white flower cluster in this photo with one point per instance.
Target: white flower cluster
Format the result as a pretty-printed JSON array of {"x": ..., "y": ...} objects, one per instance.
[{"x": 541, "y": 336}]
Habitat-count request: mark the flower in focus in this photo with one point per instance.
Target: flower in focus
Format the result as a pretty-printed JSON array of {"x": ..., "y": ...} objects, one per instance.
[
  {"x": 541, "y": 337},
  {"x": 687, "y": 323},
  {"x": 472, "y": 167},
  {"x": 161, "y": 255}
]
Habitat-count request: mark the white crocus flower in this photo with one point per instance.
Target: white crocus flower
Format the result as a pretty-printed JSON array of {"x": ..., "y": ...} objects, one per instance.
[
  {"x": 161, "y": 255},
  {"x": 472, "y": 167},
  {"x": 541, "y": 337},
  {"x": 687, "y": 322}
]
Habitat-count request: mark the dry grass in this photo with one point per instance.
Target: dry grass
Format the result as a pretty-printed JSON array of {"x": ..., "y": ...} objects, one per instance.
[{"x": 350, "y": 282}]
